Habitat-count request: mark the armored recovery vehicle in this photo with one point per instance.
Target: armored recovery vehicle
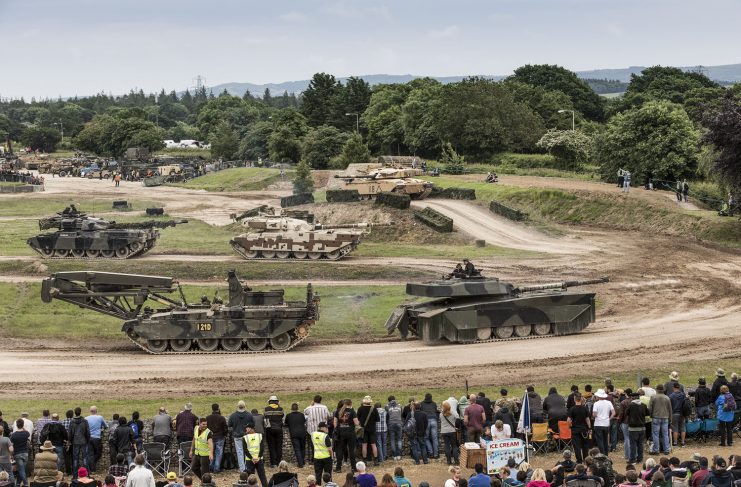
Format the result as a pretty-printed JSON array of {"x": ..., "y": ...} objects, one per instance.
[
  {"x": 79, "y": 236},
  {"x": 292, "y": 234},
  {"x": 480, "y": 309},
  {"x": 388, "y": 179},
  {"x": 250, "y": 321}
]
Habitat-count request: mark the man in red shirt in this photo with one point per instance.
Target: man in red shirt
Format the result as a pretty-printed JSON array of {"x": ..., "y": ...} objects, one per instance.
[{"x": 474, "y": 418}]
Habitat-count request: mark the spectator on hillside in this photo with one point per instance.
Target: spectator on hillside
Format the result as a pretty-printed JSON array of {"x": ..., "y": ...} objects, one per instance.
[
  {"x": 45, "y": 466},
  {"x": 699, "y": 477},
  {"x": 448, "y": 418},
  {"x": 122, "y": 441},
  {"x": 734, "y": 387},
  {"x": 474, "y": 418},
  {"x": 673, "y": 379},
  {"x": 719, "y": 476},
  {"x": 97, "y": 424},
  {"x": 581, "y": 424},
  {"x": 367, "y": 418},
  {"x": 429, "y": 407},
  {"x": 539, "y": 479},
  {"x": 79, "y": 437},
  {"x": 162, "y": 427},
  {"x": 554, "y": 405},
  {"x": 282, "y": 475},
  {"x": 418, "y": 440},
  {"x": 381, "y": 432},
  {"x": 680, "y": 408},
  {"x": 501, "y": 430},
  {"x": 345, "y": 421},
  {"x": 219, "y": 429},
  {"x": 84, "y": 480},
  {"x": 635, "y": 415},
  {"x": 720, "y": 380},
  {"x": 647, "y": 389},
  {"x": 315, "y": 414},
  {"x": 479, "y": 479},
  {"x": 120, "y": 469},
  {"x": 563, "y": 468},
  {"x": 703, "y": 399},
  {"x": 485, "y": 403},
  {"x": 20, "y": 439},
  {"x": 140, "y": 476},
  {"x": 296, "y": 423},
  {"x": 505, "y": 401},
  {"x": 602, "y": 412},
  {"x": 455, "y": 476},
  {"x": 402, "y": 481},
  {"x": 726, "y": 406},
  {"x": 570, "y": 399},
  {"x": 506, "y": 416},
  {"x": 395, "y": 426},
  {"x": 274, "y": 432},
  {"x": 185, "y": 424},
  {"x": 601, "y": 466},
  {"x": 237, "y": 423},
  {"x": 581, "y": 473},
  {"x": 660, "y": 409},
  {"x": 363, "y": 478},
  {"x": 536, "y": 405}
]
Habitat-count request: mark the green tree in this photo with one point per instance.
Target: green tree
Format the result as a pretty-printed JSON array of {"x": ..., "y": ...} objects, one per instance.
[
  {"x": 318, "y": 99},
  {"x": 352, "y": 97},
  {"x": 657, "y": 137},
  {"x": 453, "y": 162},
  {"x": 302, "y": 182},
  {"x": 417, "y": 117},
  {"x": 41, "y": 138},
  {"x": 182, "y": 130},
  {"x": 571, "y": 148},
  {"x": 322, "y": 144},
  {"x": 284, "y": 145},
  {"x": 254, "y": 144},
  {"x": 545, "y": 103},
  {"x": 724, "y": 127},
  {"x": 354, "y": 151},
  {"x": 383, "y": 118},
  {"x": 224, "y": 142},
  {"x": 111, "y": 136},
  {"x": 552, "y": 77},
  {"x": 239, "y": 113}
]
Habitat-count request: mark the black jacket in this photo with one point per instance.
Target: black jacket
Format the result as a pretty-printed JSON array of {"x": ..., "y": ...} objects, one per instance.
[
  {"x": 555, "y": 406},
  {"x": 702, "y": 397},
  {"x": 274, "y": 417},
  {"x": 217, "y": 424},
  {"x": 636, "y": 413},
  {"x": 485, "y": 403},
  {"x": 123, "y": 437},
  {"x": 238, "y": 421},
  {"x": 717, "y": 384},
  {"x": 421, "y": 421},
  {"x": 56, "y": 433},
  {"x": 734, "y": 387},
  {"x": 79, "y": 431},
  {"x": 430, "y": 408},
  {"x": 296, "y": 423},
  {"x": 719, "y": 478}
]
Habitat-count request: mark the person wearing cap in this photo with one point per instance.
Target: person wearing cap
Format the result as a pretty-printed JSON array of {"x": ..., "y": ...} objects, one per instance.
[
  {"x": 699, "y": 476},
  {"x": 660, "y": 409},
  {"x": 295, "y": 421},
  {"x": 45, "y": 466},
  {"x": 602, "y": 412},
  {"x": 217, "y": 424},
  {"x": 140, "y": 476},
  {"x": 368, "y": 417},
  {"x": 185, "y": 423},
  {"x": 703, "y": 399},
  {"x": 254, "y": 453},
  {"x": 322, "y": 447},
  {"x": 237, "y": 423},
  {"x": 83, "y": 479},
  {"x": 635, "y": 415},
  {"x": 162, "y": 427},
  {"x": 673, "y": 379},
  {"x": 172, "y": 480},
  {"x": 202, "y": 449},
  {"x": 20, "y": 439},
  {"x": 720, "y": 380},
  {"x": 564, "y": 467},
  {"x": 274, "y": 416}
]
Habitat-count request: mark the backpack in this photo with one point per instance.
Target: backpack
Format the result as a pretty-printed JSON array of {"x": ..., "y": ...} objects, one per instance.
[
  {"x": 730, "y": 402},
  {"x": 410, "y": 427},
  {"x": 602, "y": 467},
  {"x": 681, "y": 481},
  {"x": 44, "y": 435},
  {"x": 135, "y": 428}
]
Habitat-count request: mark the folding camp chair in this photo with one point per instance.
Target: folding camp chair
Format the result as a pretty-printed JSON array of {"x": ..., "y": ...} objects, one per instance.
[
  {"x": 157, "y": 458},
  {"x": 737, "y": 422},
  {"x": 694, "y": 429},
  {"x": 184, "y": 459},
  {"x": 563, "y": 437},
  {"x": 709, "y": 428},
  {"x": 540, "y": 438}
]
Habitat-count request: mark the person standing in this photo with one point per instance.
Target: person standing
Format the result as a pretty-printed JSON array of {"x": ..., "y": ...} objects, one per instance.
[
  {"x": 185, "y": 424},
  {"x": 685, "y": 190},
  {"x": 449, "y": 431},
  {"x": 217, "y": 425},
  {"x": 6, "y": 452},
  {"x": 322, "y": 447},
  {"x": 726, "y": 406},
  {"x": 79, "y": 437},
  {"x": 381, "y": 432},
  {"x": 720, "y": 380},
  {"x": 679, "y": 190},
  {"x": 581, "y": 425},
  {"x": 429, "y": 407},
  {"x": 626, "y": 182},
  {"x": 636, "y": 414},
  {"x": 474, "y": 418},
  {"x": 237, "y": 424},
  {"x": 20, "y": 439},
  {"x": 140, "y": 476},
  {"x": 162, "y": 427},
  {"x": 202, "y": 449},
  {"x": 395, "y": 426},
  {"x": 254, "y": 453},
  {"x": 56, "y": 433},
  {"x": 417, "y": 437},
  {"x": 315, "y": 414},
  {"x": 274, "y": 421},
  {"x": 368, "y": 417},
  {"x": 660, "y": 409},
  {"x": 96, "y": 424},
  {"x": 678, "y": 400},
  {"x": 345, "y": 421},
  {"x": 296, "y": 423},
  {"x": 602, "y": 412},
  {"x": 122, "y": 440}
]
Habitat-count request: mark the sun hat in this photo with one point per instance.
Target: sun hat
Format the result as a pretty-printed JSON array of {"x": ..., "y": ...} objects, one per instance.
[
  {"x": 47, "y": 446},
  {"x": 172, "y": 476},
  {"x": 601, "y": 394}
]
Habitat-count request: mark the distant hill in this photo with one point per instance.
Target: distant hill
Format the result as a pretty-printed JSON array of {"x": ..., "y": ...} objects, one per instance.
[{"x": 724, "y": 74}]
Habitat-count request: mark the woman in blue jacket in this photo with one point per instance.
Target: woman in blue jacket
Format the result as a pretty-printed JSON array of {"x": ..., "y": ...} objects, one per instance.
[{"x": 725, "y": 417}]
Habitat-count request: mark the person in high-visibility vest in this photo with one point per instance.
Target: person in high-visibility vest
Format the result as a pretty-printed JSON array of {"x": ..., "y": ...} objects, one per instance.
[
  {"x": 253, "y": 453},
  {"x": 202, "y": 449},
  {"x": 322, "y": 444}
]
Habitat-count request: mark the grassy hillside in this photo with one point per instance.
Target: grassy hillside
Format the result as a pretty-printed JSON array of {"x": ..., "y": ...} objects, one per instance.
[{"x": 235, "y": 179}]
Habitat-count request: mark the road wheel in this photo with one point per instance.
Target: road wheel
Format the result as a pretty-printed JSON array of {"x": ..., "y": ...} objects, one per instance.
[
  {"x": 483, "y": 333},
  {"x": 122, "y": 252},
  {"x": 504, "y": 331},
  {"x": 208, "y": 344},
  {"x": 61, "y": 253},
  {"x": 47, "y": 252},
  {"x": 250, "y": 254},
  {"x": 281, "y": 342},
  {"x": 78, "y": 253},
  {"x": 268, "y": 254},
  {"x": 315, "y": 255},
  {"x": 300, "y": 255},
  {"x": 135, "y": 247},
  {"x": 334, "y": 255},
  {"x": 93, "y": 253},
  {"x": 523, "y": 330},
  {"x": 108, "y": 253},
  {"x": 157, "y": 346},
  {"x": 231, "y": 344},
  {"x": 257, "y": 344},
  {"x": 181, "y": 344},
  {"x": 542, "y": 329},
  {"x": 283, "y": 254}
]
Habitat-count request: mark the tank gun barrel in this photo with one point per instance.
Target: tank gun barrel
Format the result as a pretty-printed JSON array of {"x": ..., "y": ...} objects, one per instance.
[
  {"x": 148, "y": 224},
  {"x": 320, "y": 226},
  {"x": 560, "y": 285}
]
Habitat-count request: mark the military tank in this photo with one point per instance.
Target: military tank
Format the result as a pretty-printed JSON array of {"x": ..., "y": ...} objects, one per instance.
[
  {"x": 249, "y": 322},
  {"x": 388, "y": 179},
  {"x": 79, "y": 236},
  {"x": 292, "y": 234},
  {"x": 480, "y": 309}
]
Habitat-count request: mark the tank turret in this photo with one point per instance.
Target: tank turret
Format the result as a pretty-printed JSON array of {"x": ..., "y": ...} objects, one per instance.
[
  {"x": 480, "y": 309},
  {"x": 388, "y": 179}
]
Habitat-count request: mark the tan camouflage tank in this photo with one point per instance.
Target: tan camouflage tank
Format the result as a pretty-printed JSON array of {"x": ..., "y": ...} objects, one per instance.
[{"x": 388, "y": 179}]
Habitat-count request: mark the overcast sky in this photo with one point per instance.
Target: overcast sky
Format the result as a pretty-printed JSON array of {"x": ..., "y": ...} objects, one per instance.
[{"x": 68, "y": 47}]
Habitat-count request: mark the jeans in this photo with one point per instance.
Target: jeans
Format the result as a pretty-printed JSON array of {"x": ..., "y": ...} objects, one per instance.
[
  {"x": 600, "y": 438},
  {"x": 218, "y": 453},
  {"x": 450, "y": 440},
  {"x": 418, "y": 446},
  {"x": 239, "y": 451},
  {"x": 78, "y": 458},
  {"x": 703, "y": 412},
  {"x": 94, "y": 451},
  {"x": 164, "y": 439},
  {"x": 637, "y": 440},
  {"x": 299, "y": 450},
  {"x": 21, "y": 460},
  {"x": 381, "y": 444},
  {"x": 431, "y": 438},
  {"x": 59, "y": 450},
  {"x": 395, "y": 439},
  {"x": 613, "y": 434},
  {"x": 626, "y": 441},
  {"x": 660, "y": 435},
  {"x": 8, "y": 467}
]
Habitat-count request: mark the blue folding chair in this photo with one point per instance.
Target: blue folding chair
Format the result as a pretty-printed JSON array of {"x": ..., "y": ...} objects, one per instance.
[
  {"x": 709, "y": 427},
  {"x": 694, "y": 429}
]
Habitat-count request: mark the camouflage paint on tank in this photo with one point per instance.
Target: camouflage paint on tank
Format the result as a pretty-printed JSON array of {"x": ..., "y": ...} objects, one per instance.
[
  {"x": 388, "y": 179},
  {"x": 478, "y": 309}
]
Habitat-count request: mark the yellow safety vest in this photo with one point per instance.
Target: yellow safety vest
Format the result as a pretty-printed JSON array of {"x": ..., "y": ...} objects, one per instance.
[
  {"x": 319, "y": 440},
  {"x": 201, "y": 445},
  {"x": 253, "y": 441}
]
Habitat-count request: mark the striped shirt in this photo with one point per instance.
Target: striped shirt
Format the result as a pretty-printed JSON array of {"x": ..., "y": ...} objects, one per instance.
[
  {"x": 315, "y": 414},
  {"x": 381, "y": 426}
]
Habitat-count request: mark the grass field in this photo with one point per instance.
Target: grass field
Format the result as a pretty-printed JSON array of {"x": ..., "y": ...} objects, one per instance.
[
  {"x": 235, "y": 179},
  {"x": 48, "y": 205},
  {"x": 689, "y": 371},
  {"x": 454, "y": 252}
]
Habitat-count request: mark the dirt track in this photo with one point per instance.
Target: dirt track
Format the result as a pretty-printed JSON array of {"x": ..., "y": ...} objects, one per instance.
[{"x": 664, "y": 293}]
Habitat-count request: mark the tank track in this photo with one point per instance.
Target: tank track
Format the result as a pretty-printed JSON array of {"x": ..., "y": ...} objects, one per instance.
[
  {"x": 294, "y": 343},
  {"x": 325, "y": 257},
  {"x": 142, "y": 251},
  {"x": 491, "y": 340}
]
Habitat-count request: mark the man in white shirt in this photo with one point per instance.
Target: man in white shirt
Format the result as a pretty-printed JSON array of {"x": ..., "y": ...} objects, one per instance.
[
  {"x": 602, "y": 412},
  {"x": 27, "y": 424},
  {"x": 500, "y": 430},
  {"x": 648, "y": 391},
  {"x": 315, "y": 414},
  {"x": 140, "y": 476}
]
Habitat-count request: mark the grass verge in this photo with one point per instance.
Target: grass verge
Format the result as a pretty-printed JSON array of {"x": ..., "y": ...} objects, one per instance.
[
  {"x": 235, "y": 179},
  {"x": 40, "y": 206}
]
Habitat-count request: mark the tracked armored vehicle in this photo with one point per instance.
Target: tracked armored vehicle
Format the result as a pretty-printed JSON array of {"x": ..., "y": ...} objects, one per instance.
[
  {"x": 250, "y": 321},
  {"x": 292, "y": 234},
  {"x": 79, "y": 236},
  {"x": 479, "y": 309},
  {"x": 388, "y": 179}
]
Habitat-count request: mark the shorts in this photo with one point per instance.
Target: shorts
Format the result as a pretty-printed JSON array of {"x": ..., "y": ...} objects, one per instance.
[
  {"x": 677, "y": 423},
  {"x": 369, "y": 437}
]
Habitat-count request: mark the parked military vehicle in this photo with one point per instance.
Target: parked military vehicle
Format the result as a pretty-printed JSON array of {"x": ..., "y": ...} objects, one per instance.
[
  {"x": 79, "y": 236},
  {"x": 480, "y": 309},
  {"x": 158, "y": 319},
  {"x": 292, "y": 234},
  {"x": 388, "y": 179}
]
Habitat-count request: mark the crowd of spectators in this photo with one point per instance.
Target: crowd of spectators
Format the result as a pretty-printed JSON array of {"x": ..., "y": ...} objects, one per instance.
[{"x": 27, "y": 177}]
